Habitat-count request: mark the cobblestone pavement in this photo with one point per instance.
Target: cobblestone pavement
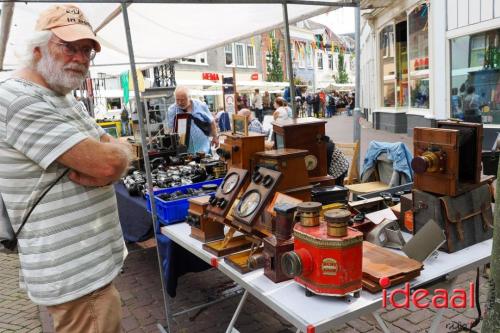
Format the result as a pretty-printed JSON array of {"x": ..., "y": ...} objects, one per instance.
[
  {"x": 17, "y": 313},
  {"x": 143, "y": 307}
]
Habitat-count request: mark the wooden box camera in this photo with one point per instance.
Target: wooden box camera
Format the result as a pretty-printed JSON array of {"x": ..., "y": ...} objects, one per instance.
[
  {"x": 448, "y": 158},
  {"x": 203, "y": 228},
  {"x": 290, "y": 162},
  {"x": 279, "y": 243},
  {"x": 238, "y": 150},
  {"x": 308, "y": 134}
]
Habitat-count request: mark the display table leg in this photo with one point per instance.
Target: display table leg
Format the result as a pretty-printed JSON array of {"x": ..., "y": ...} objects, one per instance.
[
  {"x": 380, "y": 322},
  {"x": 230, "y": 328},
  {"x": 439, "y": 315}
]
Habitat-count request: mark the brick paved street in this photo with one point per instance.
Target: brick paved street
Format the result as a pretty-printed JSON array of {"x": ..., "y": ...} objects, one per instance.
[
  {"x": 17, "y": 313},
  {"x": 142, "y": 299}
]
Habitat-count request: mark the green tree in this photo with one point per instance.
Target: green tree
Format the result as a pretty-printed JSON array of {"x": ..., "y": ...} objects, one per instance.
[
  {"x": 342, "y": 76},
  {"x": 274, "y": 67}
]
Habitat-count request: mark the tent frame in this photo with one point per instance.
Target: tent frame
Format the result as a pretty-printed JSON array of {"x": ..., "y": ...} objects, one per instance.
[{"x": 7, "y": 17}]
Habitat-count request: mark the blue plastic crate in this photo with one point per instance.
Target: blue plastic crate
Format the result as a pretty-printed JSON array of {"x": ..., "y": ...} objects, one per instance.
[{"x": 175, "y": 211}]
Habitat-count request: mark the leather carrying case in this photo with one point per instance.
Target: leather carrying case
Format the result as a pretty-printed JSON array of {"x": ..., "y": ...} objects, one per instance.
[{"x": 466, "y": 219}]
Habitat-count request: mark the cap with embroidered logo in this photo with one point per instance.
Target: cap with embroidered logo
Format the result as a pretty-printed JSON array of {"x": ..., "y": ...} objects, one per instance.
[{"x": 68, "y": 23}]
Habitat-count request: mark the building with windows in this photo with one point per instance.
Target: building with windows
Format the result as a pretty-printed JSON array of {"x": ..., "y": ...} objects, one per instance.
[
  {"x": 315, "y": 50},
  {"x": 423, "y": 61}
]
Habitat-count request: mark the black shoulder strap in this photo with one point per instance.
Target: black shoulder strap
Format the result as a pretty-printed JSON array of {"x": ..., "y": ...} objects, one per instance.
[{"x": 11, "y": 244}]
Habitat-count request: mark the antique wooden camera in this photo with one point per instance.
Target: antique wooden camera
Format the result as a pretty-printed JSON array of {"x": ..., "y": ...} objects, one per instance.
[
  {"x": 308, "y": 134},
  {"x": 290, "y": 162},
  {"x": 279, "y": 243},
  {"x": 219, "y": 206},
  {"x": 327, "y": 259},
  {"x": 448, "y": 158},
  {"x": 238, "y": 150},
  {"x": 203, "y": 228},
  {"x": 226, "y": 194},
  {"x": 256, "y": 197}
]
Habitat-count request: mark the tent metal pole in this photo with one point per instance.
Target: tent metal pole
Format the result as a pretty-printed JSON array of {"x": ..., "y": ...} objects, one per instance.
[
  {"x": 288, "y": 57},
  {"x": 147, "y": 166},
  {"x": 207, "y": 2},
  {"x": 357, "y": 110},
  {"x": 7, "y": 13}
]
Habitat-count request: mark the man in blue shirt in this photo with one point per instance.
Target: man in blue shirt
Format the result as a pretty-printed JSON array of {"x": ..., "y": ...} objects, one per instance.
[{"x": 202, "y": 127}]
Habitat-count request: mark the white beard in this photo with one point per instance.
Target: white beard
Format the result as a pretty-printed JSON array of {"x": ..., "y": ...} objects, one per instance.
[{"x": 54, "y": 73}]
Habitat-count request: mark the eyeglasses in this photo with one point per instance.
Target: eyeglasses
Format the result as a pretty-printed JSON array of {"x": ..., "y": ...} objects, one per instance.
[{"x": 71, "y": 50}]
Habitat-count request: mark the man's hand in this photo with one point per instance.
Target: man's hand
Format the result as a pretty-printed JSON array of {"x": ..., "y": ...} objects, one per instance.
[
  {"x": 97, "y": 163},
  {"x": 86, "y": 180}
]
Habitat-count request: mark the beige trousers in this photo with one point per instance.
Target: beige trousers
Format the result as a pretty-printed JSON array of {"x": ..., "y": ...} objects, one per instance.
[{"x": 97, "y": 312}]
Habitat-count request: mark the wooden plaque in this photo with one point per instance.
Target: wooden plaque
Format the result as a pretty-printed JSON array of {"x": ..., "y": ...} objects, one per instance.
[{"x": 379, "y": 262}]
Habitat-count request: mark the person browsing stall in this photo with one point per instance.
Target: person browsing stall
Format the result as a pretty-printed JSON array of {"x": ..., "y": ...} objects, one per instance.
[
  {"x": 202, "y": 122},
  {"x": 254, "y": 125},
  {"x": 281, "y": 112},
  {"x": 71, "y": 248}
]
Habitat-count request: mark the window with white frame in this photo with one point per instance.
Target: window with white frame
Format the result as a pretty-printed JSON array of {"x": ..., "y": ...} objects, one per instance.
[
  {"x": 302, "y": 56},
  {"x": 319, "y": 56},
  {"x": 197, "y": 59},
  {"x": 251, "y": 56},
  {"x": 228, "y": 53},
  {"x": 239, "y": 51},
  {"x": 309, "y": 58},
  {"x": 330, "y": 61}
]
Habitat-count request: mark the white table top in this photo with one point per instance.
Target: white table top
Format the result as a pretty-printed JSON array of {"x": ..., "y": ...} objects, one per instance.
[{"x": 288, "y": 298}]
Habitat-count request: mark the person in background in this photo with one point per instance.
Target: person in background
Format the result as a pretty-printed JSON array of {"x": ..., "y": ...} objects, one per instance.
[
  {"x": 338, "y": 165},
  {"x": 281, "y": 112},
  {"x": 258, "y": 106},
  {"x": 322, "y": 102},
  {"x": 266, "y": 101},
  {"x": 351, "y": 105},
  {"x": 309, "y": 103},
  {"x": 244, "y": 101},
  {"x": 471, "y": 106},
  {"x": 316, "y": 105},
  {"x": 222, "y": 119},
  {"x": 71, "y": 248},
  {"x": 254, "y": 125},
  {"x": 202, "y": 122},
  {"x": 125, "y": 122}
]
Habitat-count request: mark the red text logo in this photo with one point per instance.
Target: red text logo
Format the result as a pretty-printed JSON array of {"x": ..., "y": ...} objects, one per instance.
[{"x": 458, "y": 298}]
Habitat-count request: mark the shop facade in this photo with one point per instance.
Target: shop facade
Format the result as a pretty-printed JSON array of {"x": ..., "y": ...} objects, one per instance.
[{"x": 423, "y": 61}]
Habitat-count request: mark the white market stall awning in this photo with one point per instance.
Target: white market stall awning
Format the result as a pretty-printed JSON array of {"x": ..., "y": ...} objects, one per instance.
[{"x": 163, "y": 31}]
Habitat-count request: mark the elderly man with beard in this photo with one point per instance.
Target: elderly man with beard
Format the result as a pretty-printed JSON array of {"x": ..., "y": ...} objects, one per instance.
[
  {"x": 71, "y": 247},
  {"x": 202, "y": 122}
]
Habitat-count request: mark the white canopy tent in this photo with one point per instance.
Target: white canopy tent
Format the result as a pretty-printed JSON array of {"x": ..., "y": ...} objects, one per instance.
[
  {"x": 159, "y": 31},
  {"x": 152, "y": 31}
]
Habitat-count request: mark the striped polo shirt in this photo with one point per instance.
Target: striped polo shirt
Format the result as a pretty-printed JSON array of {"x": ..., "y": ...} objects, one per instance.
[{"x": 72, "y": 243}]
